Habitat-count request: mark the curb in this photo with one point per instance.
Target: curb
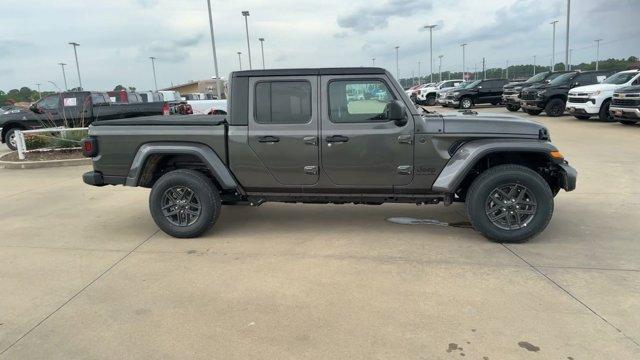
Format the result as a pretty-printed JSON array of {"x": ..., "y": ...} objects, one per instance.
[{"x": 43, "y": 164}]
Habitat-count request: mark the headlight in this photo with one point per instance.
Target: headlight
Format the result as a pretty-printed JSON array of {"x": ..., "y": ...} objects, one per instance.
[
  {"x": 595, "y": 93},
  {"x": 456, "y": 93},
  {"x": 541, "y": 92}
]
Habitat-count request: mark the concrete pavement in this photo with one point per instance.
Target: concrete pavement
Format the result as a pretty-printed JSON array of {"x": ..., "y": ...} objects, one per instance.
[{"x": 86, "y": 274}]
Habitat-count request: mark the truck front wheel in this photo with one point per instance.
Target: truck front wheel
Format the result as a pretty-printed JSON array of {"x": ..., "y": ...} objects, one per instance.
[
  {"x": 184, "y": 203},
  {"x": 512, "y": 107},
  {"x": 430, "y": 100},
  {"x": 10, "y": 139},
  {"x": 509, "y": 203},
  {"x": 466, "y": 103},
  {"x": 555, "y": 107}
]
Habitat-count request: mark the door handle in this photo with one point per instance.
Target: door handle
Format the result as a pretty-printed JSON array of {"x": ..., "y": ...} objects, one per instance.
[
  {"x": 311, "y": 140},
  {"x": 336, "y": 139},
  {"x": 268, "y": 139}
]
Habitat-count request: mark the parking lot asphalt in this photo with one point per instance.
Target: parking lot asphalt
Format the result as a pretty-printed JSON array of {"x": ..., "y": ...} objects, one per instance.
[{"x": 85, "y": 273}]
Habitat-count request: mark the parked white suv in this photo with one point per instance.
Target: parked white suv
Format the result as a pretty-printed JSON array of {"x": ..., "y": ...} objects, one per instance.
[
  {"x": 594, "y": 100},
  {"x": 428, "y": 95}
]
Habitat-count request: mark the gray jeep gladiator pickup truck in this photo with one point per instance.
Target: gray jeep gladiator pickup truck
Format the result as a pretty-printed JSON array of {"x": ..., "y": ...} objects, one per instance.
[{"x": 332, "y": 135}]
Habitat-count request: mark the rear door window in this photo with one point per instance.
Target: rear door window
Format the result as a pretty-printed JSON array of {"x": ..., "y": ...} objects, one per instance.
[{"x": 283, "y": 102}]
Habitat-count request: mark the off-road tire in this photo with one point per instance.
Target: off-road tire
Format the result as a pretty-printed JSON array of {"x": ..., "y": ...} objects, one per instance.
[
  {"x": 466, "y": 103},
  {"x": 203, "y": 189},
  {"x": 555, "y": 107},
  {"x": 484, "y": 185},
  {"x": 533, "y": 112},
  {"x": 7, "y": 139},
  {"x": 604, "y": 114},
  {"x": 513, "y": 108}
]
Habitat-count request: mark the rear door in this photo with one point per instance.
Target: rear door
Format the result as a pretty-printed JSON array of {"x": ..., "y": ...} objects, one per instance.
[
  {"x": 359, "y": 146},
  {"x": 283, "y": 127}
]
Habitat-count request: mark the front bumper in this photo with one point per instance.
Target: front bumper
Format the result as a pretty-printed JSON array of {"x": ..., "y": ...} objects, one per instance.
[
  {"x": 511, "y": 99},
  {"x": 622, "y": 113},
  {"x": 569, "y": 176},
  {"x": 586, "y": 108},
  {"x": 532, "y": 104},
  {"x": 452, "y": 102}
]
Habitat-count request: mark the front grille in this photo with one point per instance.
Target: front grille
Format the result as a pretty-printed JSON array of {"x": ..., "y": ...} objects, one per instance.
[
  {"x": 509, "y": 92},
  {"x": 576, "y": 100},
  {"x": 629, "y": 95},
  {"x": 527, "y": 96},
  {"x": 625, "y": 102}
]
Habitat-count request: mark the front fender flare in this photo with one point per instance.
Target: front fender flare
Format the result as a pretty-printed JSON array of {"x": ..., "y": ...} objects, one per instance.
[
  {"x": 471, "y": 152},
  {"x": 219, "y": 170}
]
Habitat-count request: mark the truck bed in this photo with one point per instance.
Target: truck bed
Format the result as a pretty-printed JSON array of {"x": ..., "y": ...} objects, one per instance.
[{"x": 173, "y": 120}]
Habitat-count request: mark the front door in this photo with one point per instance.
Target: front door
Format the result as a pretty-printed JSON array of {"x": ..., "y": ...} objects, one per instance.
[
  {"x": 283, "y": 127},
  {"x": 359, "y": 146}
]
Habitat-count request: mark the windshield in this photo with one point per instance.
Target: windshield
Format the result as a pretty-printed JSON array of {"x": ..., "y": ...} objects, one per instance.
[
  {"x": 537, "y": 78},
  {"x": 470, "y": 85},
  {"x": 620, "y": 78},
  {"x": 562, "y": 78}
]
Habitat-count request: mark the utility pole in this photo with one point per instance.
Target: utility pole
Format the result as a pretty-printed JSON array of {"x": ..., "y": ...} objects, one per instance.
[
  {"x": 246, "y": 26},
  {"x": 484, "y": 69},
  {"x": 39, "y": 95},
  {"x": 534, "y": 64},
  {"x": 262, "y": 50},
  {"x": 373, "y": 61},
  {"x": 567, "y": 39},
  {"x": 597, "y": 52},
  {"x": 397, "y": 66},
  {"x": 430, "y": 27},
  {"x": 463, "y": 65},
  {"x": 440, "y": 67},
  {"x": 75, "y": 52},
  {"x": 213, "y": 47},
  {"x": 507, "y": 70},
  {"x": 64, "y": 76},
  {"x": 553, "y": 52},
  {"x": 240, "y": 59},
  {"x": 153, "y": 66}
]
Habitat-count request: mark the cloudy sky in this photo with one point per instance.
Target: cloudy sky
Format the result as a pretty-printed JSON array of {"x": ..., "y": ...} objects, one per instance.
[{"x": 118, "y": 36}]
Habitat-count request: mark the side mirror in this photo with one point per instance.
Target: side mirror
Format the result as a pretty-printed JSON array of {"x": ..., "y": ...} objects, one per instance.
[
  {"x": 396, "y": 112},
  {"x": 34, "y": 108}
]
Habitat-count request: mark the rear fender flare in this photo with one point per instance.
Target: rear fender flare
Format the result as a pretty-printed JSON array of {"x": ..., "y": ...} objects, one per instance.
[
  {"x": 219, "y": 170},
  {"x": 468, "y": 155}
]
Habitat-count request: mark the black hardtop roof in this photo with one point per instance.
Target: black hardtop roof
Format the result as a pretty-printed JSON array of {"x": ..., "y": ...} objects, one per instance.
[{"x": 311, "y": 71}]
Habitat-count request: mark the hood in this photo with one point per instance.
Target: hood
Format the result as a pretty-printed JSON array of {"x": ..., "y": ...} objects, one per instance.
[
  {"x": 629, "y": 89},
  {"x": 594, "y": 87},
  {"x": 497, "y": 124},
  {"x": 21, "y": 114}
]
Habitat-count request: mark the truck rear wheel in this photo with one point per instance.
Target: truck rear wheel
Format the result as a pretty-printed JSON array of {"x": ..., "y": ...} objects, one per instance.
[
  {"x": 184, "y": 203},
  {"x": 509, "y": 203},
  {"x": 430, "y": 100},
  {"x": 10, "y": 139}
]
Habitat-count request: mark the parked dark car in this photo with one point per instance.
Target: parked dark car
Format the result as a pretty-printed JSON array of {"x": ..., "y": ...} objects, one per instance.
[
  {"x": 72, "y": 109},
  {"x": 511, "y": 91},
  {"x": 625, "y": 105},
  {"x": 477, "y": 92},
  {"x": 300, "y": 135},
  {"x": 552, "y": 97}
]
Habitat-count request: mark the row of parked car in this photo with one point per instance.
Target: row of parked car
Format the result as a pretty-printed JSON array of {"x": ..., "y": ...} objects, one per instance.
[
  {"x": 605, "y": 94},
  {"x": 81, "y": 108}
]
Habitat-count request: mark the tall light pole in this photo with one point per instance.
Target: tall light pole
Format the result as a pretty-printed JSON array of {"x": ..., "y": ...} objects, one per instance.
[
  {"x": 507, "y": 70},
  {"x": 262, "y": 50},
  {"x": 213, "y": 47},
  {"x": 567, "y": 39},
  {"x": 463, "y": 55},
  {"x": 534, "y": 64},
  {"x": 430, "y": 27},
  {"x": 240, "y": 59},
  {"x": 553, "y": 52},
  {"x": 419, "y": 74},
  {"x": 440, "y": 67},
  {"x": 153, "y": 66},
  {"x": 246, "y": 26},
  {"x": 373, "y": 61},
  {"x": 75, "y": 52},
  {"x": 397, "y": 66},
  {"x": 39, "y": 95},
  {"x": 597, "y": 52},
  {"x": 64, "y": 76},
  {"x": 570, "y": 59}
]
